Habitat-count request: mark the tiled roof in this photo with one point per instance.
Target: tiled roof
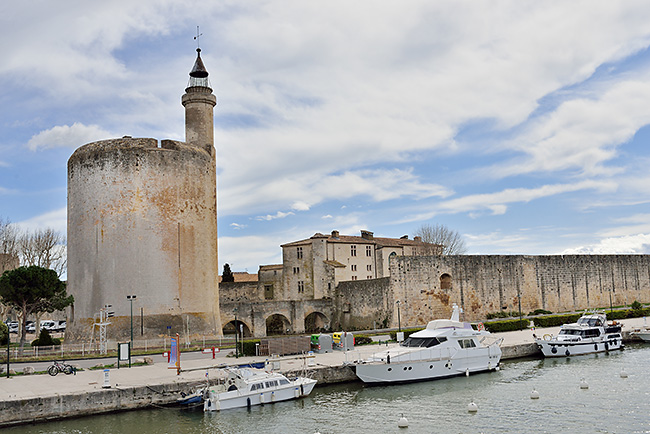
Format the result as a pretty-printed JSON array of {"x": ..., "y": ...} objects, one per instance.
[{"x": 351, "y": 239}]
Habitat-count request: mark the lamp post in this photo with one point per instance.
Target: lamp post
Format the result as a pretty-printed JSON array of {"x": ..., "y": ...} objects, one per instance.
[
  {"x": 236, "y": 346},
  {"x": 519, "y": 299},
  {"x": 131, "y": 298},
  {"x": 399, "y": 321}
]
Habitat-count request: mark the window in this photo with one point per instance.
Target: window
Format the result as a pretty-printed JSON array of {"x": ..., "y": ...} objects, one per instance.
[
  {"x": 467, "y": 343},
  {"x": 354, "y": 277},
  {"x": 296, "y": 270},
  {"x": 301, "y": 286},
  {"x": 299, "y": 252},
  {"x": 368, "y": 277},
  {"x": 268, "y": 292},
  {"x": 368, "y": 250},
  {"x": 353, "y": 267},
  {"x": 353, "y": 250},
  {"x": 368, "y": 267}
]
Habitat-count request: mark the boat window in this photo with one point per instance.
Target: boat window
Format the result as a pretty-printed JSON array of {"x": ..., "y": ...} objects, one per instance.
[
  {"x": 591, "y": 322},
  {"x": 422, "y": 342},
  {"x": 284, "y": 381},
  {"x": 467, "y": 343},
  {"x": 569, "y": 332},
  {"x": 591, "y": 333}
]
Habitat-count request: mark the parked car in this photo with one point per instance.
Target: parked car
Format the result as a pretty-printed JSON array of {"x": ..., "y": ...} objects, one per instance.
[
  {"x": 61, "y": 325},
  {"x": 49, "y": 325},
  {"x": 12, "y": 325},
  {"x": 30, "y": 327}
]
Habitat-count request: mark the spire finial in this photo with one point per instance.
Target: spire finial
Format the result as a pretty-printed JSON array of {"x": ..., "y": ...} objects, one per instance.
[{"x": 198, "y": 42}]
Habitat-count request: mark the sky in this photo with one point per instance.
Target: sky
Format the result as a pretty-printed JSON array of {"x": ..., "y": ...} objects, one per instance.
[{"x": 522, "y": 125}]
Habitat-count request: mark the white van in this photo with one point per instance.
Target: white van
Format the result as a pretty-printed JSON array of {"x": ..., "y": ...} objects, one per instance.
[{"x": 49, "y": 325}]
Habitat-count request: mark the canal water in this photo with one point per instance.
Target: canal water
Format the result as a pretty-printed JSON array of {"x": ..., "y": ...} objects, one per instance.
[{"x": 610, "y": 404}]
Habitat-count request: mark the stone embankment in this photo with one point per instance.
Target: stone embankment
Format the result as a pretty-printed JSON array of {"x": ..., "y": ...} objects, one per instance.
[{"x": 34, "y": 398}]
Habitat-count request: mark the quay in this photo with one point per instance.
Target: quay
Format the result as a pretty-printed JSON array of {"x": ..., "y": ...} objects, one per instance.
[{"x": 38, "y": 398}]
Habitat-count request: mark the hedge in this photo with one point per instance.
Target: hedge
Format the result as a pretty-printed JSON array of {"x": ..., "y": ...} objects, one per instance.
[
  {"x": 407, "y": 333},
  {"x": 556, "y": 320},
  {"x": 362, "y": 340},
  {"x": 506, "y": 326}
]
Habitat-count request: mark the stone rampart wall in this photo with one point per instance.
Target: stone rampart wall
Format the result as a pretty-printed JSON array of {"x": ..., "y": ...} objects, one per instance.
[
  {"x": 363, "y": 304},
  {"x": 485, "y": 284}
]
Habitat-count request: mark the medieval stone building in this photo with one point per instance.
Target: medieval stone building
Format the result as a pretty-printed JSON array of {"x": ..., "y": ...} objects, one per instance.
[{"x": 142, "y": 224}]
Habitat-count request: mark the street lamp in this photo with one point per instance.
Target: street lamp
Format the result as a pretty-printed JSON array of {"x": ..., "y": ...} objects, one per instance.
[
  {"x": 131, "y": 298},
  {"x": 236, "y": 346},
  {"x": 399, "y": 321}
]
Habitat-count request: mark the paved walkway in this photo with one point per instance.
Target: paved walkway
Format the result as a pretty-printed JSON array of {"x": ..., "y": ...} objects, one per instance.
[{"x": 29, "y": 386}]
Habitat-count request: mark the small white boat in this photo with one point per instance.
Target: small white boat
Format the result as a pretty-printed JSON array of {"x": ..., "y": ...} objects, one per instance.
[
  {"x": 446, "y": 348},
  {"x": 248, "y": 387},
  {"x": 643, "y": 333},
  {"x": 591, "y": 334}
]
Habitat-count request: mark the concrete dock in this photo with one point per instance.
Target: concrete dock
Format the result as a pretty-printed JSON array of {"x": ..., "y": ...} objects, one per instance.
[{"x": 29, "y": 398}]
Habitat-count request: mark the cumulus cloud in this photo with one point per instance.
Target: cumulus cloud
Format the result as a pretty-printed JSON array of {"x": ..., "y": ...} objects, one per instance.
[
  {"x": 277, "y": 215},
  {"x": 639, "y": 243},
  {"x": 67, "y": 136}
]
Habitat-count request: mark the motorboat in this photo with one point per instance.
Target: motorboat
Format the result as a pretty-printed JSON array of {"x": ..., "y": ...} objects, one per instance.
[
  {"x": 244, "y": 387},
  {"x": 591, "y": 334},
  {"x": 445, "y": 348},
  {"x": 642, "y": 333}
]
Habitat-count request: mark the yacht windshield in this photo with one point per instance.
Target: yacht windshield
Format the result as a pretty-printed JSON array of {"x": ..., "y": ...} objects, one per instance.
[
  {"x": 422, "y": 342},
  {"x": 591, "y": 322}
]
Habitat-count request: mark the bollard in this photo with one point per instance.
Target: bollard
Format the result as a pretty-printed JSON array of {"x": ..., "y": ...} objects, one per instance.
[{"x": 213, "y": 353}]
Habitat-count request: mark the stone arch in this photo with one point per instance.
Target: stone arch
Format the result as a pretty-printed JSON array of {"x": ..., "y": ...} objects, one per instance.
[
  {"x": 230, "y": 327},
  {"x": 445, "y": 281},
  {"x": 277, "y": 324},
  {"x": 316, "y": 322}
]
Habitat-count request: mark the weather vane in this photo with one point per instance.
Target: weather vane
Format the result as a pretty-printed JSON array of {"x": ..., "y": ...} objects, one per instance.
[{"x": 198, "y": 35}]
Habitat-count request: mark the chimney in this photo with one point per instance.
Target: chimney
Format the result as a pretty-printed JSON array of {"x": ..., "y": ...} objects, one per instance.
[
  {"x": 418, "y": 239},
  {"x": 404, "y": 237},
  {"x": 367, "y": 235},
  {"x": 335, "y": 234}
]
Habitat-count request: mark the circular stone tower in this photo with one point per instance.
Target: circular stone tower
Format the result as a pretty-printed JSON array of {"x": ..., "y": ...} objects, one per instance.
[{"x": 142, "y": 221}]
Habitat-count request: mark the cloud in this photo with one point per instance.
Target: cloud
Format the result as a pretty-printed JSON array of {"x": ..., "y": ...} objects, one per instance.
[
  {"x": 496, "y": 203},
  {"x": 629, "y": 244},
  {"x": 57, "y": 220},
  {"x": 65, "y": 136},
  {"x": 278, "y": 215},
  {"x": 237, "y": 226}
]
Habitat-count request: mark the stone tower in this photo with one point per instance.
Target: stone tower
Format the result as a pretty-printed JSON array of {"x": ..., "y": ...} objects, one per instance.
[{"x": 142, "y": 220}]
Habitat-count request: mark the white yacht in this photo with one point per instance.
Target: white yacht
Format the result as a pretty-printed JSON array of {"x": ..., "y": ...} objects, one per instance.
[
  {"x": 445, "y": 348},
  {"x": 591, "y": 334},
  {"x": 247, "y": 387}
]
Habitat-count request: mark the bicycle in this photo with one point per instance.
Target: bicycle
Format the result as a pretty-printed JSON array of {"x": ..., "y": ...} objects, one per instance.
[{"x": 60, "y": 367}]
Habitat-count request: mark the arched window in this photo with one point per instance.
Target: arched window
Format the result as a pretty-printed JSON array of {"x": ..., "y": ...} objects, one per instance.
[{"x": 445, "y": 281}]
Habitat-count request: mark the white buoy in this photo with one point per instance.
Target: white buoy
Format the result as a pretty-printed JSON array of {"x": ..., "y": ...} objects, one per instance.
[
  {"x": 403, "y": 422},
  {"x": 623, "y": 374},
  {"x": 583, "y": 384},
  {"x": 467, "y": 372},
  {"x": 534, "y": 394},
  {"x": 472, "y": 407}
]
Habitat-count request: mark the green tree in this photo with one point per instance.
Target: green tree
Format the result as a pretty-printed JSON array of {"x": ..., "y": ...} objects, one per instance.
[
  {"x": 33, "y": 290},
  {"x": 4, "y": 333},
  {"x": 227, "y": 275}
]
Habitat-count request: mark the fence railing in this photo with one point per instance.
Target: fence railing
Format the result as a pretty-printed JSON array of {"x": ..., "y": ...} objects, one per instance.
[{"x": 81, "y": 350}]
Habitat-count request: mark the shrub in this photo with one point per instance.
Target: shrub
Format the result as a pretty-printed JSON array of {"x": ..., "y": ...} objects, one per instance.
[
  {"x": 506, "y": 326},
  {"x": 407, "y": 333},
  {"x": 556, "y": 320},
  {"x": 247, "y": 348},
  {"x": 45, "y": 340},
  {"x": 4, "y": 333},
  {"x": 540, "y": 312},
  {"x": 362, "y": 340}
]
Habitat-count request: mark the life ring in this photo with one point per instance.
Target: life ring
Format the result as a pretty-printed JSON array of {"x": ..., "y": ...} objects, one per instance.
[
  {"x": 480, "y": 327},
  {"x": 547, "y": 337}
]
